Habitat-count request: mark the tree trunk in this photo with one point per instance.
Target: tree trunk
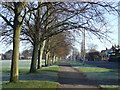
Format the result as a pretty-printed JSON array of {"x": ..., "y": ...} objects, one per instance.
[
  {"x": 54, "y": 59},
  {"x": 34, "y": 58},
  {"x": 41, "y": 51},
  {"x": 46, "y": 58},
  {"x": 17, "y": 25},
  {"x": 15, "y": 56},
  {"x": 38, "y": 67},
  {"x": 50, "y": 59}
]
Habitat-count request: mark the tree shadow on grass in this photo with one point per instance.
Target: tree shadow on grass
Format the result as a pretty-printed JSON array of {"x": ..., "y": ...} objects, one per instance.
[{"x": 42, "y": 75}]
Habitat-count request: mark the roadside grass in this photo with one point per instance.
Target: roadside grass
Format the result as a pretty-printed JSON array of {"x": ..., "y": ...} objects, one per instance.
[
  {"x": 32, "y": 84},
  {"x": 92, "y": 72},
  {"x": 111, "y": 87},
  {"x": 97, "y": 73}
]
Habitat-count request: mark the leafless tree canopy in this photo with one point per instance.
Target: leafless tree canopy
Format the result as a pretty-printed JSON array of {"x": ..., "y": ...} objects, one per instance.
[{"x": 56, "y": 17}]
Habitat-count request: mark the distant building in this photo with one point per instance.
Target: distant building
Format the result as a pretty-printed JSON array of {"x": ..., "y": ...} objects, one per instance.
[
  {"x": 29, "y": 57},
  {"x": 21, "y": 56},
  {"x": 8, "y": 55},
  {"x": 93, "y": 56},
  {"x": 111, "y": 54},
  {"x": 105, "y": 54},
  {"x": 27, "y": 54},
  {"x": 0, "y": 56}
]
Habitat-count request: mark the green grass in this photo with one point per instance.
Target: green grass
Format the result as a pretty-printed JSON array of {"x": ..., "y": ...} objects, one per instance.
[
  {"x": 111, "y": 87},
  {"x": 43, "y": 78},
  {"x": 78, "y": 64},
  {"x": 51, "y": 73},
  {"x": 44, "y": 74},
  {"x": 22, "y": 64},
  {"x": 31, "y": 84},
  {"x": 92, "y": 72}
]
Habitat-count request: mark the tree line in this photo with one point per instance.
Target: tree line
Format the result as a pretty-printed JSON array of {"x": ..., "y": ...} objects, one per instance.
[{"x": 46, "y": 25}]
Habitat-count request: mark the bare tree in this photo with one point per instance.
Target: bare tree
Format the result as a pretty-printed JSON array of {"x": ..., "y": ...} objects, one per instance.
[
  {"x": 92, "y": 47},
  {"x": 60, "y": 16},
  {"x": 14, "y": 14},
  {"x": 59, "y": 46}
]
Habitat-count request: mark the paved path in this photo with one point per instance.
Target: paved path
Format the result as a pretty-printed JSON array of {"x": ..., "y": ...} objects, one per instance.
[{"x": 72, "y": 78}]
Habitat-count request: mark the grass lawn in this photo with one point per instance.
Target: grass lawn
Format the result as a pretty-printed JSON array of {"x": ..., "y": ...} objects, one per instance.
[
  {"x": 43, "y": 78},
  {"x": 103, "y": 73},
  {"x": 92, "y": 72},
  {"x": 111, "y": 87},
  {"x": 32, "y": 84},
  {"x": 44, "y": 74}
]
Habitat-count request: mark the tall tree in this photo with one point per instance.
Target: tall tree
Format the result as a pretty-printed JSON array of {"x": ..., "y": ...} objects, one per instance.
[
  {"x": 14, "y": 16},
  {"x": 16, "y": 10},
  {"x": 92, "y": 47},
  {"x": 58, "y": 46},
  {"x": 40, "y": 26},
  {"x": 62, "y": 16}
]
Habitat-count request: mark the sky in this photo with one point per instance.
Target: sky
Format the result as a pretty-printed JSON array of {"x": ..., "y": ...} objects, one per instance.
[{"x": 113, "y": 20}]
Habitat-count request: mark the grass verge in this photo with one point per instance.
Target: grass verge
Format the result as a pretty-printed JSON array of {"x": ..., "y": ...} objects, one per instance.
[
  {"x": 45, "y": 71},
  {"x": 111, "y": 87},
  {"x": 31, "y": 84},
  {"x": 92, "y": 72},
  {"x": 43, "y": 78}
]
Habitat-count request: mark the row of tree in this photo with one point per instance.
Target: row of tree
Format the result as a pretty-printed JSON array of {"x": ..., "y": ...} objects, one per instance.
[{"x": 42, "y": 23}]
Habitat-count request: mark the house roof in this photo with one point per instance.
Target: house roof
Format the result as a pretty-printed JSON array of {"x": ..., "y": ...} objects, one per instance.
[{"x": 21, "y": 55}]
